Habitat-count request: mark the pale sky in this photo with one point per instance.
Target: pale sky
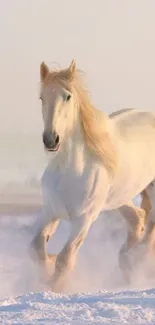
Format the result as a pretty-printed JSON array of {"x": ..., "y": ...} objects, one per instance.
[{"x": 113, "y": 41}]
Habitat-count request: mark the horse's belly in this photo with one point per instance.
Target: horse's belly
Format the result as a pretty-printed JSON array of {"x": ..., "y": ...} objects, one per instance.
[
  {"x": 132, "y": 181},
  {"x": 122, "y": 196}
]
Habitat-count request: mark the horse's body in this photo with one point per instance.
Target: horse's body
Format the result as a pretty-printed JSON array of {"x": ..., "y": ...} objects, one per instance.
[
  {"x": 100, "y": 163},
  {"x": 135, "y": 135}
]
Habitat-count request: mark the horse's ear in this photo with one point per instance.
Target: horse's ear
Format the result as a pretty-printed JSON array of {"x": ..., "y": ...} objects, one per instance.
[
  {"x": 72, "y": 68},
  {"x": 44, "y": 70}
]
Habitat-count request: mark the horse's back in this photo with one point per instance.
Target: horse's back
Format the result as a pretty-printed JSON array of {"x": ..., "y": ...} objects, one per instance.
[
  {"x": 129, "y": 122},
  {"x": 130, "y": 114},
  {"x": 120, "y": 111}
]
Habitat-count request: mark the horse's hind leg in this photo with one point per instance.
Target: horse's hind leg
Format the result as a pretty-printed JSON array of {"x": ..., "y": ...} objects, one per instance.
[
  {"x": 150, "y": 233},
  {"x": 146, "y": 204},
  {"x": 136, "y": 221}
]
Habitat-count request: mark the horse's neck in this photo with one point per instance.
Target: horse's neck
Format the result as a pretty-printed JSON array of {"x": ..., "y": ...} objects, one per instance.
[{"x": 73, "y": 154}]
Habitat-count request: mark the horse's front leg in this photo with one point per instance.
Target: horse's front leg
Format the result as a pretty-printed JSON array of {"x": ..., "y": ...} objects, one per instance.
[
  {"x": 67, "y": 257},
  {"x": 44, "y": 228},
  {"x": 44, "y": 233}
]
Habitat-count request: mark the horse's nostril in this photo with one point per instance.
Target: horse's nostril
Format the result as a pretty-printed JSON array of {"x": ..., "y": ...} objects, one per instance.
[
  {"x": 57, "y": 139},
  {"x": 50, "y": 140}
]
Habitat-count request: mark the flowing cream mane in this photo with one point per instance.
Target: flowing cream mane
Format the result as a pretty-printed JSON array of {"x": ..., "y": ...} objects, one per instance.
[{"x": 94, "y": 123}]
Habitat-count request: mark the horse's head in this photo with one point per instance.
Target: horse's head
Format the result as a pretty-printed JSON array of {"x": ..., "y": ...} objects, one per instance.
[
  {"x": 58, "y": 104},
  {"x": 66, "y": 107}
]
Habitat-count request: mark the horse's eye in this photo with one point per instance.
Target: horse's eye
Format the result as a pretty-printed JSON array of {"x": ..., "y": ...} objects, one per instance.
[{"x": 68, "y": 97}]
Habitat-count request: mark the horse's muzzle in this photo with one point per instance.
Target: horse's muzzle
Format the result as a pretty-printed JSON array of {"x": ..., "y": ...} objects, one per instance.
[{"x": 51, "y": 140}]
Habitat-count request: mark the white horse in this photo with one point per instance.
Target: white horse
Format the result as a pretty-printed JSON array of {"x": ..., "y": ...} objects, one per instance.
[{"x": 96, "y": 163}]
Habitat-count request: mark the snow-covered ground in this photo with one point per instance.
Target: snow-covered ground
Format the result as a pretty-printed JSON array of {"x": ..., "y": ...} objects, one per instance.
[
  {"x": 128, "y": 307},
  {"x": 96, "y": 293}
]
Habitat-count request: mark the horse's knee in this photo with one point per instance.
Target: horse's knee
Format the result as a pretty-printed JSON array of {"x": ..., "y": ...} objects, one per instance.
[
  {"x": 139, "y": 230},
  {"x": 47, "y": 238},
  {"x": 138, "y": 224}
]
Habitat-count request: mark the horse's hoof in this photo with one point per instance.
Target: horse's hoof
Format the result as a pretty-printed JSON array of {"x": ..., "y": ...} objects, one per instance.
[{"x": 55, "y": 287}]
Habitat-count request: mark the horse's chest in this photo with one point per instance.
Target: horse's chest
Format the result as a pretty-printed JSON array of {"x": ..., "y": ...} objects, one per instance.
[
  {"x": 71, "y": 188},
  {"x": 75, "y": 193}
]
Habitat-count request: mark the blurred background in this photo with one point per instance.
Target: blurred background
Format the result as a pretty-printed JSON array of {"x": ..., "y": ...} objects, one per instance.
[{"x": 112, "y": 41}]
